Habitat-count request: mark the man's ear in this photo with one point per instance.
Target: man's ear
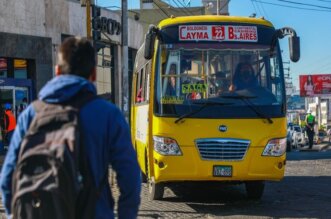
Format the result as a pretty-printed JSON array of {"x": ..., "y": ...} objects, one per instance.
[
  {"x": 93, "y": 76},
  {"x": 57, "y": 70}
]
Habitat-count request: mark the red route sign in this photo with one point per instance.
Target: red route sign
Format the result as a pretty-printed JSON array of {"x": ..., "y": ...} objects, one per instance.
[{"x": 218, "y": 33}]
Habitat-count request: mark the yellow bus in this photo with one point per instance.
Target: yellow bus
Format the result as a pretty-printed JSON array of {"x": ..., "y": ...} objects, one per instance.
[{"x": 208, "y": 102}]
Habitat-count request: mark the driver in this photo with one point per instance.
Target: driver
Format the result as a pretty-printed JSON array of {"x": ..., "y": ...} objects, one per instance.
[{"x": 244, "y": 77}]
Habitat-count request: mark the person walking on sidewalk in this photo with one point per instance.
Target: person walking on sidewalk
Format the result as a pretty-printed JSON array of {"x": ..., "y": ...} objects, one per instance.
[
  {"x": 10, "y": 122},
  {"x": 106, "y": 134},
  {"x": 310, "y": 123}
]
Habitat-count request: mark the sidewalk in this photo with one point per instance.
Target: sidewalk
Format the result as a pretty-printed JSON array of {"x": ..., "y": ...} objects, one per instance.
[{"x": 323, "y": 146}]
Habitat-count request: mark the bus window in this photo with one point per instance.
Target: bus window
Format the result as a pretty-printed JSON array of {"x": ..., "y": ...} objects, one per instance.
[{"x": 142, "y": 84}]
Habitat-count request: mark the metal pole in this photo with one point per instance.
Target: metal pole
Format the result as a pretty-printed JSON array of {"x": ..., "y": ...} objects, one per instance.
[
  {"x": 125, "y": 62},
  {"x": 218, "y": 6},
  {"x": 88, "y": 19}
]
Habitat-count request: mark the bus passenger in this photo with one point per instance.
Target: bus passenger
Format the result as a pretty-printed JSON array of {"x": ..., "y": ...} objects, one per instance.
[
  {"x": 171, "y": 85},
  {"x": 220, "y": 83}
]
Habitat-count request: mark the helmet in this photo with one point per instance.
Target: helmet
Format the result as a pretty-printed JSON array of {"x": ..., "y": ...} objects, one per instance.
[
  {"x": 309, "y": 111},
  {"x": 7, "y": 106}
]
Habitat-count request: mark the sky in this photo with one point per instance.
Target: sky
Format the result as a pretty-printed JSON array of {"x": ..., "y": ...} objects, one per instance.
[{"x": 312, "y": 24}]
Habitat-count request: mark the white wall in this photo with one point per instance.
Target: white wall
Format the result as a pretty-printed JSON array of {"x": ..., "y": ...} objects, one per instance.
[
  {"x": 23, "y": 17},
  {"x": 51, "y": 18}
]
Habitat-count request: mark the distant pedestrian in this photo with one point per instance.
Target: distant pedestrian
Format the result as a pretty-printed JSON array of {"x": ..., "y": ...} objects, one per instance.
[
  {"x": 310, "y": 123},
  {"x": 23, "y": 105},
  {"x": 9, "y": 122},
  {"x": 105, "y": 134}
]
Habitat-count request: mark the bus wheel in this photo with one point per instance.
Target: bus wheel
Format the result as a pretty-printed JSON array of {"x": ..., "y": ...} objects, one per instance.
[
  {"x": 155, "y": 190},
  {"x": 254, "y": 189}
]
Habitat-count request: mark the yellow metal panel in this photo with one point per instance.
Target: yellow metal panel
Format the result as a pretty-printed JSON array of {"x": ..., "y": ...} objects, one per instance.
[
  {"x": 190, "y": 166},
  {"x": 212, "y": 18}
]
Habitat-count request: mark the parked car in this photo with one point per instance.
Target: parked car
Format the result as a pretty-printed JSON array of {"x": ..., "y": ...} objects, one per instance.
[{"x": 295, "y": 137}]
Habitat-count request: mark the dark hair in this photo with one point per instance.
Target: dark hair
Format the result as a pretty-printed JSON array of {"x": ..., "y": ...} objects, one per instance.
[
  {"x": 77, "y": 57},
  {"x": 237, "y": 77},
  {"x": 310, "y": 80}
]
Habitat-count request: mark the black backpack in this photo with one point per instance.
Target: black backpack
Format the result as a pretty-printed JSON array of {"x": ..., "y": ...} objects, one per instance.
[{"x": 52, "y": 178}]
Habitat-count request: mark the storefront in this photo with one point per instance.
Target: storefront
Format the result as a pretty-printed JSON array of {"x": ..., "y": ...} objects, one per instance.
[{"x": 25, "y": 65}]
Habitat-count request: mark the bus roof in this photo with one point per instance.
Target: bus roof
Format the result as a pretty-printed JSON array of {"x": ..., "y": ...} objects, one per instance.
[{"x": 213, "y": 18}]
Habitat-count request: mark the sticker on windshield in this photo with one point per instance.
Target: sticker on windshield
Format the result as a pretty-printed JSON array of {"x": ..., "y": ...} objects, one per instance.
[
  {"x": 218, "y": 33},
  {"x": 172, "y": 100},
  {"x": 189, "y": 88}
]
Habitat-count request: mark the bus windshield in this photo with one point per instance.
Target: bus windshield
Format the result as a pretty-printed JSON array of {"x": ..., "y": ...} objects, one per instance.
[{"x": 188, "y": 74}]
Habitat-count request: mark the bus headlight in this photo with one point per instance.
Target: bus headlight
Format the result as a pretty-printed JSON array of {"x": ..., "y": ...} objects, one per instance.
[
  {"x": 275, "y": 147},
  {"x": 166, "y": 146}
]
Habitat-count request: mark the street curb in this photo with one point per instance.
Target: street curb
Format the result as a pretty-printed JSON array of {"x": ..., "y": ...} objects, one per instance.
[{"x": 316, "y": 147}]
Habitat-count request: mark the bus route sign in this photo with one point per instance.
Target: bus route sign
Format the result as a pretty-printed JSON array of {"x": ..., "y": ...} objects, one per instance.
[{"x": 218, "y": 33}]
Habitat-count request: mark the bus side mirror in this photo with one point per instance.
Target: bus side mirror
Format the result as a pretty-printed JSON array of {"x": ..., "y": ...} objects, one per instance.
[
  {"x": 294, "y": 47},
  {"x": 294, "y": 42},
  {"x": 149, "y": 42}
]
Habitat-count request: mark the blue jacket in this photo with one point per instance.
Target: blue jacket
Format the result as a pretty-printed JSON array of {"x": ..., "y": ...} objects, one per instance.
[{"x": 107, "y": 139}]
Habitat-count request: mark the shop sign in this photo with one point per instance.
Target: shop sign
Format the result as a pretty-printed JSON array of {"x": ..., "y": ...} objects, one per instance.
[{"x": 107, "y": 25}]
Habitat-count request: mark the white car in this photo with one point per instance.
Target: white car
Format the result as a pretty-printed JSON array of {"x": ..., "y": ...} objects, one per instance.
[{"x": 296, "y": 136}]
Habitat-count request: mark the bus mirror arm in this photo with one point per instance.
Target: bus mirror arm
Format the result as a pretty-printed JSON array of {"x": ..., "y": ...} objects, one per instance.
[
  {"x": 150, "y": 41},
  {"x": 294, "y": 42}
]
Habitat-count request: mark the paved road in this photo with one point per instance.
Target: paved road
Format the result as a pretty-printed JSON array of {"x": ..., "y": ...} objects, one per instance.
[{"x": 305, "y": 192}]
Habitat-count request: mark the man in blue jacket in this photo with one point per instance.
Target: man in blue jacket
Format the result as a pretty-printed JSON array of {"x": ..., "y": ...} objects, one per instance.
[{"x": 106, "y": 133}]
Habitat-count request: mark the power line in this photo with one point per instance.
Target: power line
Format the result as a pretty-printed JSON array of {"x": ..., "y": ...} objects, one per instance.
[
  {"x": 261, "y": 10},
  {"x": 287, "y": 6},
  {"x": 258, "y": 8},
  {"x": 253, "y": 6},
  {"x": 161, "y": 9},
  {"x": 298, "y": 3},
  {"x": 324, "y": 1},
  {"x": 183, "y": 7},
  {"x": 264, "y": 11},
  {"x": 180, "y": 8}
]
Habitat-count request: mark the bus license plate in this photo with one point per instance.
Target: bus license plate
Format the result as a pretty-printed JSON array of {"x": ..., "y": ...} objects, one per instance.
[{"x": 222, "y": 171}]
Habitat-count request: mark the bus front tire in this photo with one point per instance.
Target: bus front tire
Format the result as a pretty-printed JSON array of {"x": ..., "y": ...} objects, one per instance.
[
  {"x": 155, "y": 190},
  {"x": 254, "y": 189}
]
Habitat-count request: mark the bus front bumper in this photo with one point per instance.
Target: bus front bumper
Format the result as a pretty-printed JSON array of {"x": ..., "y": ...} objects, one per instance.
[{"x": 191, "y": 167}]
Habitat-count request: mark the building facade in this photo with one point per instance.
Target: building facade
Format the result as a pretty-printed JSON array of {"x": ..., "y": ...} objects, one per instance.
[{"x": 30, "y": 34}]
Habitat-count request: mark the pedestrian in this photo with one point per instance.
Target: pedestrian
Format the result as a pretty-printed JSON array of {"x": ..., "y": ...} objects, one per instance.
[
  {"x": 310, "y": 123},
  {"x": 105, "y": 132},
  {"x": 10, "y": 122},
  {"x": 23, "y": 105}
]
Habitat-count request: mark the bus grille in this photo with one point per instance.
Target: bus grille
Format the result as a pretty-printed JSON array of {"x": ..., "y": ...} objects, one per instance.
[{"x": 222, "y": 148}]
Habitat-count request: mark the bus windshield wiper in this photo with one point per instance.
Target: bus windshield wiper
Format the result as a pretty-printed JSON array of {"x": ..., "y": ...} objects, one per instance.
[
  {"x": 203, "y": 105},
  {"x": 246, "y": 100}
]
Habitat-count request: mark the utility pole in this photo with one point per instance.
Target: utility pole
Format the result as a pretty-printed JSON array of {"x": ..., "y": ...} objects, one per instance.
[
  {"x": 218, "y": 7},
  {"x": 125, "y": 61},
  {"x": 88, "y": 19}
]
